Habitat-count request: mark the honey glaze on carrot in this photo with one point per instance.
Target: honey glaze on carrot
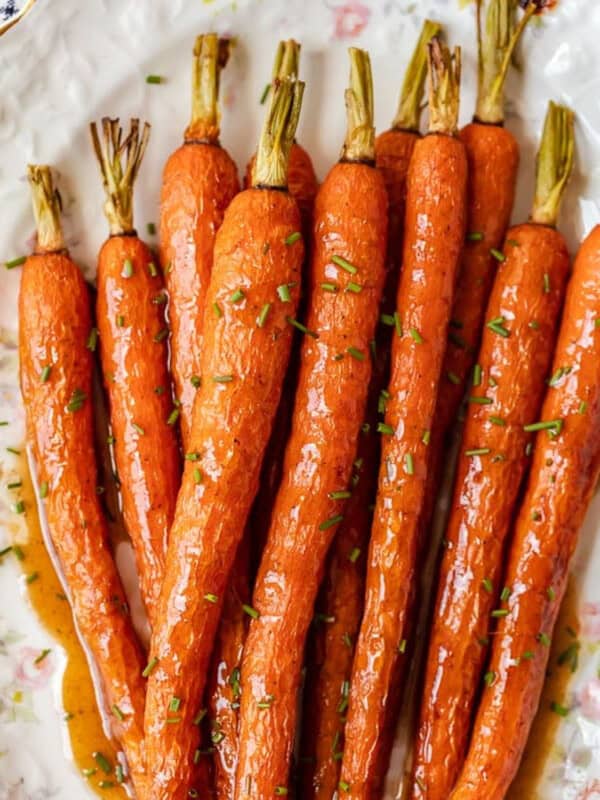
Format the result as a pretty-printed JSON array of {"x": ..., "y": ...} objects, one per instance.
[
  {"x": 554, "y": 703},
  {"x": 92, "y": 753}
]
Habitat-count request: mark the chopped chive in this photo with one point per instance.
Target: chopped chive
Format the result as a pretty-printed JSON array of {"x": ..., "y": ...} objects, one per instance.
[
  {"x": 347, "y": 639},
  {"x": 19, "y": 507},
  {"x": 505, "y": 594},
  {"x": 387, "y": 319},
  {"x": 478, "y": 451},
  {"x": 18, "y": 552},
  {"x": 151, "y": 229},
  {"x": 283, "y": 293},
  {"x": 77, "y": 400},
  {"x": 197, "y": 475},
  {"x": 42, "y": 656},
  {"x": 173, "y": 416},
  {"x": 161, "y": 335},
  {"x": 344, "y": 786},
  {"x": 192, "y": 456},
  {"x": 497, "y": 254},
  {"x": 265, "y": 94},
  {"x": 476, "y": 236},
  {"x": 175, "y": 704},
  {"x": 489, "y": 678},
  {"x": 138, "y": 429},
  {"x": 222, "y": 378},
  {"x": 353, "y": 287},
  {"x": 154, "y": 79},
  {"x": 200, "y": 716},
  {"x": 556, "y": 376},
  {"x": 426, "y": 438},
  {"x": 534, "y": 324},
  {"x": 281, "y": 790},
  {"x": 264, "y": 313},
  {"x": 119, "y": 774},
  {"x": 43, "y": 489},
  {"x": 544, "y": 639},
  {"x": 344, "y": 495},
  {"x": 211, "y": 598},
  {"x": 237, "y": 296},
  {"x": 293, "y": 237},
  {"x": 160, "y": 299},
  {"x": 551, "y": 594},
  {"x": 173, "y": 720},
  {"x": 118, "y": 713},
  {"x": 127, "y": 268},
  {"x": 402, "y": 646},
  {"x": 344, "y": 264},
  {"x": 159, "y": 390},
  {"x": 105, "y": 784},
  {"x": 409, "y": 466},
  {"x": 266, "y": 248},
  {"x": 528, "y": 448},
  {"x": 398, "y": 323},
  {"x": 14, "y": 485},
  {"x": 15, "y": 262},
  {"x": 477, "y": 375},
  {"x": 217, "y": 309},
  {"x": 582, "y": 407},
  {"x": 5, "y": 551},
  {"x": 546, "y": 283},
  {"x": 480, "y": 401},
  {"x": 299, "y": 326},
  {"x": 13, "y": 450},
  {"x": 383, "y": 427},
  {"x": 329, "y": 287},
  {"x": 152, "y": 269},
  {"x": 102, "y": 762},
  {"x": 329, "y": 523},
  {"x": 497, "y": 326},
  {"x": 499, "y": 612},
  {"x": 252, "y": 612},
  {"x": 92, "y": 340},
  {"x": 553, "y": 425},
  {"x": 32, "y": 577},
  {"x": 487, "y": 585},
  {"x": 195, "y": 381},
  {"x": 266, "y": 702},
  {"x": 354, "y": 554},
  {"x": 528, "y": 655},
  {"x": 120, "y": 320},
  {"x": 559, "y": 709},
  {"x": 536, "y": 516},
  {"x": 355, "y": 353},
  {"x": 498, "y": 421},
  {"x": 3, "y": 423},
  {"x": 89, "y": 771},
  {"x": 149, "y": 668},
  {"x": 453, "y": 378},
  {"x": 570, "y": 656},
  {"x": 493, "y": 382},
  {"x": 415, "y": 335}
]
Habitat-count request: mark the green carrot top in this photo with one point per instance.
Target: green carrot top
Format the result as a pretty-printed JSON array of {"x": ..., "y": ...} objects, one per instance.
[
  {"x": 408, "y": 115},
  {"x": 444, "y": 69},
  {"x": 277, "y": 137},
  {"x": 210, "y": 56},
  {"x": 554, "y": 163},
  {"x": 359, "y": 144},
  {"x": 46, "y": 208}
]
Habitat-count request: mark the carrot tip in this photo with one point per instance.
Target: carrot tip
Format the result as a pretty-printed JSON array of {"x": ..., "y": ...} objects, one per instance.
[
  {"x": 444, "y": 69},
  {"x": 211, "y": 55},
  {"x": 554, "y": 163},
  {"x": 360, "y": 133},
  {"x": 47, "y": 207},
  {"x": 408, "y": 115},
  {"x": 279, "y": 129}
]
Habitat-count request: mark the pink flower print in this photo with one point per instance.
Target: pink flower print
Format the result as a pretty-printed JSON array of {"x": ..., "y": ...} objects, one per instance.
[
  {"x": 34, "y": 668},
  {"x": 590, "y": 621},
  {"x": 591, "y": 792},
  {"x": 350, "y": 19}
]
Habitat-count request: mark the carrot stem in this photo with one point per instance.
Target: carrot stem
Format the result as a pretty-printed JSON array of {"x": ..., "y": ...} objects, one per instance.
[
  {"x": 496, "y": 46},
  {"x": 277, "y": 137},
  {"x": 408, "y": 115},
  {"x": 46, "y": 208},
  {"x": 210, "y": 56},
  {"x": 554, "y": 163},
  {"x": 118, "y": 179},
  {"x": 444, "y": 70},
  {"x": 360, "y": 132}
]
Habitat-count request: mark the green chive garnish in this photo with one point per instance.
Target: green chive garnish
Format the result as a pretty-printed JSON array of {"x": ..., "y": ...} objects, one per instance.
[
  {"x": 42, "y": 656},
  {"x": 551, "y": 594},
  {"x": 497, "y": 254},
  {"x": 344, "y": 264},
  {"x": 151, "y": 229},
  {"x": 476, "y": 236},
  {"x": 398, "y": 323},
  {"x": 265, "y": 93},
  {"x": 127, "y": 268},
  {"x": 477, "y": 375},
  {"x": 555, "y": 426},
  {"x": 355, "y": 353},
  {"x": 281, "y": 790},
  {"x": 192, "y": 456},
  {"x": 160, "y": 299},
  {"x": 45, "y": 374},
  {"x": 211, "y": 598},
  {"x": 559, "y": 709},
  {"x": 120, "y": 320},
  {"x": 497, "y": 326},
  {"x": 534, "y": 324},
  {"x": 15, "y": 262},
  {"x": 77, "y": 400},
  {"x": 149, "y": 668},
  {"x": 498, "y": 421},
  {"x": 382, "y": 427},
  {"x": 237, "y": 296},
  {"x": 161, "y": 335},
  {"x": 480, "y": 401},
  {"x": 293, "y": 237},
  {"x": 92, "y": 340},
  {"x": 487, "y": 585},
  {"x": 489, "y": 678},
  {"x": 222, "y": 378},
  {"x": 200, "y": 716},
  {"x": 546, "y": 283},
  {"x": 426, "y": 438},
  {"x": 387, "y": 319},
  {"x": 252, "y": 612},
  {"x": 102, "y": 762},
  {"x": 264, "y": 313},
  {"x": 32, "y": 577},
  {"x": 415, "y": 335},
  {"x": 13, "y": 450},
  {"x": 43, "y": 490},
  {"x": 195, "y": 381},
  {"x": 197, "y": 475},
  {"x": 329, "y": 287},
  {"x": 173, "y": 416},
  {"x": 505, "y": 594},
  {"x": 402, "y": 646},
  {"x": 329, "y": 523},
  {"x": 118, "y": 713},
  {"x": 544, "y": 639},
  {"x": 175, "y": 704},
  {"x": 217, "y": 309},
  {"x": 299, "y": 326},
  {"x": 283, "y": 293},
  {"x": 453, "y": 378},
  {"x": 409, "y": 466},
  {"x": 344, "y": 495},
  {"x": 138, "y": 429},
  {"x": 354, "y": 554},
  {"x": 154, "y": 79},
  {"x": 353, "y": 287},
  {"x": 500, "y": 612},
  {"x": 478, "y": 451},
  {"x": 152, "y": 269}
]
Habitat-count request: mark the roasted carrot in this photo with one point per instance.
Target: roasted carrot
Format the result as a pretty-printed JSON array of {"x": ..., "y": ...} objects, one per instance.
[
  {"x": 433, "y": 240},
  {"x": 507, "y": 393},
  {"x": 493, "y": 158},
  {"x": 199, "y": 181},
  {"x": 133, "y": 351},
  {"x": 224, "y": 698},
  {"x": 56, "y": 340},
  {"x": 329, "y": 660},
  {"x": 346, "y": 279},
  {"x": 251, "y": 303},
  {"x": 564, "y": 473}
]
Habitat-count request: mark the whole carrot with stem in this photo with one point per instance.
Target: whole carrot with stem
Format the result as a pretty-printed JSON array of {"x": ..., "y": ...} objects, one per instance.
[
  {"x": 252, "y": 296},
  {"x": 199, "y": 181},
  {"x": 507, "y": 393},
  {"x": 331, "y": 649},
  {"x": 133, "y": 350},
  {"x": 563, "y": 476},
  {"x": 346, "y": 278},
  {"x": 56, "y": 343},
  {"x": 433, "y": 240}
]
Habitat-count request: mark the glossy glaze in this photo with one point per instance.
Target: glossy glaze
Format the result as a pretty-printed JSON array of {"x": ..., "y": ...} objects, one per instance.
[
  {"x": 231, "y": 426},
  {"x": 199, "y": 182},
  {"x": 55, "y": 323},
  {"x": 485, "y": 495},
  {"x": 329, "y": 660},
  {"x": 434, "y": 235},
  {"x": 564, "y": 473},
  {"x": 351, "y": 222},
  {"x": 133, "y": 351}
]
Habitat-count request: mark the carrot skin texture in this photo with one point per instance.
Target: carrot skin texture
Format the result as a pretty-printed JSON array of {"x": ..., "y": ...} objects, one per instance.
[
  {"x": 343, "y": 590},
  {"x": 350, "y": 221},
  {"x": 54, "y": 325},
  {"x": 133, "y": 351},
  {"x": 433, "y": 240},
  {"x": 199, "y": 182},
  {"x": 230, "y": 429},
  {"x": 485, "y": 495},
  {"x": 564, "y": 474}
]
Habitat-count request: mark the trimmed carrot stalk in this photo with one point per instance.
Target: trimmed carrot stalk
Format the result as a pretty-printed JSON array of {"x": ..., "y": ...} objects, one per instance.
[
  {"x": 331, "y": 650},
  {"x": 493, "y": 157},
  {"x": 199, "y": 181},
  {"x": 133, "y": 351},
  {"x": 564, "y": 473},
  {"x": 56, "y": 340},
  {"x": 436, "y": 193},
  {"x": 346, "y": 278},
  {"x": 244, "y": 357},
  {"x": 507, "y": 393}
]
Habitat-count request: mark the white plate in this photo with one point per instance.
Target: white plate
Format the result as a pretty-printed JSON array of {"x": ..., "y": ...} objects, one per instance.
[{"x": 68, "y": 62}]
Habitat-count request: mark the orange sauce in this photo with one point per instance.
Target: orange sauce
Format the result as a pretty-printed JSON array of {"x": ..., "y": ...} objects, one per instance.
[{"x": 543, "y": 732}]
